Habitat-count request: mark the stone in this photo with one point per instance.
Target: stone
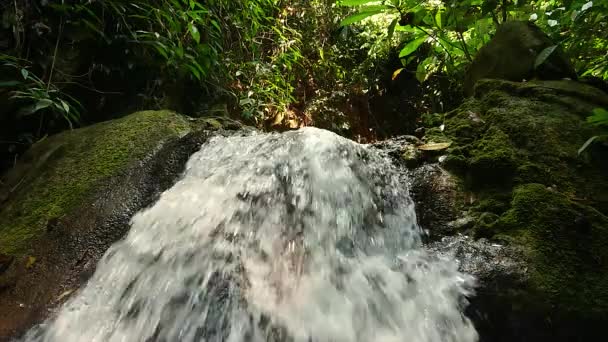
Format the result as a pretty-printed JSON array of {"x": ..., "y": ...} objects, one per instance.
[
  {"x": 515, "y": 169},
  {"x": 511, "y": 55},
  {"x": 72, "y": 195}
]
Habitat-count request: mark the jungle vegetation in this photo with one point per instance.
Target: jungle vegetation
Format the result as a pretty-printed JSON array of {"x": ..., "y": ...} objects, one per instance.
[{"x": 275, "y": 64}]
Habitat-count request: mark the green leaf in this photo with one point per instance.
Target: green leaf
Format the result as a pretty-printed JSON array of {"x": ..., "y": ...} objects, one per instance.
[
  {"x": 351, "y": 19},
  {"x": 246, "y": 101},
  {"x": 543, "y": 55},
  {"x": 41, "y": 104},
  {"x": 355, "y": 2},
  {"x": 216, "y": 25},
  {"x": 407, "y": 28},
  {"x": 391, "y": 28},
  {"x": 196, "y": 35},
  {"x": 194, "y": 71},
  {"x": 438, "y": 19},
  {"x": 412, "y": 46},
  {"x": 25, "y": 73},
  {"x": 65, "y": 106},
  {"x": 599, "y": 117},
  {"x": 421, "y": 71},
  {"x": 587, "y": 143}
]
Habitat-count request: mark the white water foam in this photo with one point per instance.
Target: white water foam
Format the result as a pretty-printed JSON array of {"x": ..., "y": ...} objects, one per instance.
[{"x": 302, "y": 236}]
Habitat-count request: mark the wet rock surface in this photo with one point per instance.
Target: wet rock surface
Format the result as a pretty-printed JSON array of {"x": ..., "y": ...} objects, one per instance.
[
  {"x": 519, "y": 209},
  {"x": 57, "y": 260}
]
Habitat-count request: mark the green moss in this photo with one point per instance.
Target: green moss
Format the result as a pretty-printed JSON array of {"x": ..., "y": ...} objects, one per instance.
[
  {"x": 496, "y": 203},
  {"x": 514, "y": 149},
  {"x": 492, "y": 157},
  {"x": 431, "y": 119},
  {"x": 566, "y": 244},
  {"x": 63, "y": 169},
  {"x": 484, "y": 225},
  {"x": 517, "y": 133}
]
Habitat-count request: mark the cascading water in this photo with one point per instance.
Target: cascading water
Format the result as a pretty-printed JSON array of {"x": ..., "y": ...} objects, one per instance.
[{"x": 302, "y": 236}]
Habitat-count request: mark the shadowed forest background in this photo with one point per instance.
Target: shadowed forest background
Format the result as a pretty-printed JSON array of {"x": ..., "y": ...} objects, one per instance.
[{"x": 364, "y": 69}]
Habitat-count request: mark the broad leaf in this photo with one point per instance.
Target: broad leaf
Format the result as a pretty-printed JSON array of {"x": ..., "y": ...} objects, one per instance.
[
  {"x": 587, "y": 143},
  {"x": 412, "y": 46},
  {"x": 351, "y": 19},
  {"x": 391, "y": 28},
  {"x": 421, "y": 71},
  {"x": 438, "y": 19},
  {"x": 396, "y": 73},
  {"x": 65, "y": 106},
  {"x": 543, "y": 55},
  {"x": 355, "y": 2},
  {"x": 599, "y": 117},
  {"x": 41, "y": 104},
  {"x": 196, "y": 35}
]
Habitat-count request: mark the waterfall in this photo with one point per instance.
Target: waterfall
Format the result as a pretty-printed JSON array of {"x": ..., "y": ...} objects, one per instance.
[{"x": 302, "y": 236}]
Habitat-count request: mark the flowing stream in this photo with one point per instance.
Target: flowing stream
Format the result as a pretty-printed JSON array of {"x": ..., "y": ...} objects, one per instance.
[{"x": 302, "y": 236}]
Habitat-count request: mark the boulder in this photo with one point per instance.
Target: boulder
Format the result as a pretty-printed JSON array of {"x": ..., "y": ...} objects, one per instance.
[
  {"x": 512, "y": 53},
  {"x": 72, "y": 196},
  {"x": 519, "y": 196}
]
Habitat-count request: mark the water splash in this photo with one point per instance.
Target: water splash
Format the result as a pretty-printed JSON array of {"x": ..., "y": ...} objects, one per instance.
[{"x": 302, "y": 236}]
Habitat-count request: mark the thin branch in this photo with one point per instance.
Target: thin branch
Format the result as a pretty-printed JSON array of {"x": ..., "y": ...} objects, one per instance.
[
  {"x": 465, "y": 48},
  {"x": 48, "y": 85},
  {"x": 92, "y": 89},
  {"x": 437, "y": 40}
]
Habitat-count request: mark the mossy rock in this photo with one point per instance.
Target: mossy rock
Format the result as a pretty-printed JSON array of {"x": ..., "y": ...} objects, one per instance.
[
  {"x": 566, "y": 244},
  {"x": 512, "y": 54},
  {"x": 73, "y": 195},
  {"x": 60, "y": 171},
  {"x": 516, "y": 133},
  {"x": 515, "y": 152}
]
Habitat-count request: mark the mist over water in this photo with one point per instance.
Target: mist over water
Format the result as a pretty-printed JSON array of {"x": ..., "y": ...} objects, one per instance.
[{"x": 302, "y": 236}]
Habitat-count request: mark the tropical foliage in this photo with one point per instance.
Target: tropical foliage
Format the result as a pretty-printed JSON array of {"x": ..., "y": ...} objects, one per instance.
[
  {"x": 65, "y": 63},
  {"x": 599, "y": 118},
  {"x": 271, "y": 63},
  {"x": 451, "y": 31}
]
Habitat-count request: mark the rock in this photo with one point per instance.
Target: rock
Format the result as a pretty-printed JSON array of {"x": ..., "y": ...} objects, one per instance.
[
  {"x": 499, "y": 270},
  {"x": 511, "y": 55},
  {"x": 72, "y": 195},
  {"x": 411, "y": 156},
  {"x": 514, "y": 168},
  {"x": 436, "y": 195},
  {"x": 402, "y": 150}
]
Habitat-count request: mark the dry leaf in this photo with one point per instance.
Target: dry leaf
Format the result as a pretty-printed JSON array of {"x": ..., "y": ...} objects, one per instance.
[
  {"x": 434, "y": 146},
  {"x": 396, "y": 73},
  {"x": 30, "y": 261}
]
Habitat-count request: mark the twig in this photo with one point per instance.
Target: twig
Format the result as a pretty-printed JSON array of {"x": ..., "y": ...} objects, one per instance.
[
  {"x": 464, "y": 46},
  {"x": 92, "y": 89},
  {"x": 437, "y": 40},
  {"x": 48, "y": 85}
]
